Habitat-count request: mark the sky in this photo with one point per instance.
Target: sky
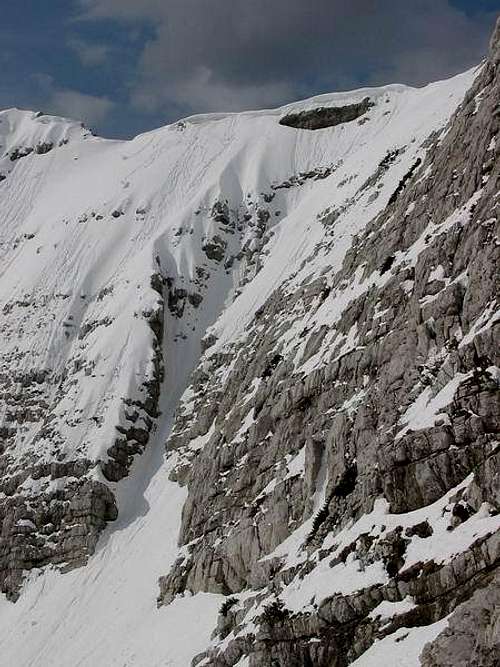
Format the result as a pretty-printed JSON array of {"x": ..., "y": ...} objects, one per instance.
[{"x": 128, "y": 66}]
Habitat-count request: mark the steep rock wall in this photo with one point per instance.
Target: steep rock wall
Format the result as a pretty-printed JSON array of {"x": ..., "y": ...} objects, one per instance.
[{"x": 377, "y": 379}]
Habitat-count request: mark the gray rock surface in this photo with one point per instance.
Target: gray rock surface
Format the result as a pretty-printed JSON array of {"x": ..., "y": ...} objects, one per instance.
[
  {"x": 473, "y": 634},
  {"x": 429, "y": 264},
  {"x": 317, "y": 119}
]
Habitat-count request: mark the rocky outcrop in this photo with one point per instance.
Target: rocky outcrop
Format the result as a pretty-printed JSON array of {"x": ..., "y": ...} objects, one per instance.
[
  {"x": 343, "y": 627},
  {"x": 215, "y": 248},
  {"x": 50, "y": 514},
  {"x": 54, "y": 501},
  {"x": 140, "y": 414},
  {"x": 473, "y": 634},
  {"x": 317, "y": 119}
]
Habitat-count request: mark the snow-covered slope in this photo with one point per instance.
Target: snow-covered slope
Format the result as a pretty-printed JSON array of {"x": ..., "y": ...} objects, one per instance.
[
  {"x": 86, "y": 226},
  {"x": 123, "y": 264}
]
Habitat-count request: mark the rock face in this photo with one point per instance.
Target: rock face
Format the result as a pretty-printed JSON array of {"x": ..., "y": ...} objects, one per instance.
[
  {"x": 310, "y": 322},
  {"x": 473, "y": 634},
  {"x": 377, "y": 379}
]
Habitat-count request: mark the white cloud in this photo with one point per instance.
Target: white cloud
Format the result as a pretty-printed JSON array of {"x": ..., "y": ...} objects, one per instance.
[
  {"x": 40, "y": 92},
  {"x": 203, "y": 91},
  {"x": 73, "y": 104}
]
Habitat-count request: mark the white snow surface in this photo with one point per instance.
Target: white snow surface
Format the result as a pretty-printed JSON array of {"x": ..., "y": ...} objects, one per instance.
[
  {"x": 105, "y": 614},
  {"x": 402, "y": 648},
  {"x": 425, "y": 409},
  {"x": 58, "y": 236}
]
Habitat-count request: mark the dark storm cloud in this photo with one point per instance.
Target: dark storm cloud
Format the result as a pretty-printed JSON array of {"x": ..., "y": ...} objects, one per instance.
[{"x": 208, "y": 55}]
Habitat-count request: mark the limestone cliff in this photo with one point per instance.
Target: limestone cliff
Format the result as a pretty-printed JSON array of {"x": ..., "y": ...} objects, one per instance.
[{"x": 375, "y": 380}]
